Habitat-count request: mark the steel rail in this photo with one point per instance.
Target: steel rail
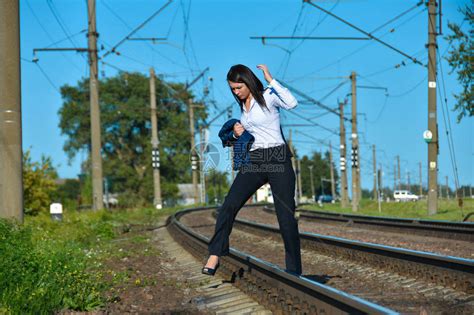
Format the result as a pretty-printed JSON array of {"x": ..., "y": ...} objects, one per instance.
[
  {"x": 436, "y": 228},
  {"x": 447, "y": 271},
  {"x": 270, "y": 285}
]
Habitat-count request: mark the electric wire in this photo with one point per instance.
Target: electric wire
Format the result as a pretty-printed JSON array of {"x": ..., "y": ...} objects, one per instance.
[
  {"x": 365, "y": 33},
  {"x": 320, "y": 21},
  {"x": 66, "y": 38},
  {"x": 187, "y": 35},
  {"x": 397, "y": 66},
  {"x": 61, "y": 23},
  {"x": 411, "y": 89},
  {"x": 47, "y": 77},
  {"x": 317, "y": 103},
  {"x": 397, "y": 17},
  {"x": 447, "y": 124},
  {"x": 357, "y": 50},
  {"x": 314, "y": 123},
  {"x": 49, "y": 35},
  {"x": 113, "y": 50},
  {"x": 333, "y": 90},
  {"x": 286, "y": 60},
  {"x": 148, "y": 44},
  {"x": 290, "y": 51},
  {"x": 380, "y": 112},
  {"x": 313, "y": 138}
]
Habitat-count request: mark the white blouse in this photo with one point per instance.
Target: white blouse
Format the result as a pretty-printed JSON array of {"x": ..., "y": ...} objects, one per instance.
[{"x": 264, "y": 124}]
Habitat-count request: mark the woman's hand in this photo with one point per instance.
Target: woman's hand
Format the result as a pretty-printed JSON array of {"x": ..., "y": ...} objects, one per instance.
[
  {"x": 266, "y": 73},
  {"x": 238, "y": 129}
]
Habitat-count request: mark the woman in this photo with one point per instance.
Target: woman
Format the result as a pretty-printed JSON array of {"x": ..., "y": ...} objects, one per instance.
[{"x": 270, "y": 161}]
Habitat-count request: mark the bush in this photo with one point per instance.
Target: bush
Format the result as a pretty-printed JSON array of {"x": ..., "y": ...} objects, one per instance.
[
  {"x": 45, "y": 274},
  {"x": 48, "y": 266}
]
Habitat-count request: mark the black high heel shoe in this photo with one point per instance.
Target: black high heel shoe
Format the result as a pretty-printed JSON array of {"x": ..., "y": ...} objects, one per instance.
[{"x": 210, "y": 271}]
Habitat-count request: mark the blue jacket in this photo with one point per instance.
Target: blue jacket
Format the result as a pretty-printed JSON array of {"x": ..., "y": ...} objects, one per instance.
[{"x": 241, "y": 145}]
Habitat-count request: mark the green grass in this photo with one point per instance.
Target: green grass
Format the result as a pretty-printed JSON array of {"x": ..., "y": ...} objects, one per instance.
[
  {"x": 447, "y": 209},
  {"x": 50, "y": 266}
]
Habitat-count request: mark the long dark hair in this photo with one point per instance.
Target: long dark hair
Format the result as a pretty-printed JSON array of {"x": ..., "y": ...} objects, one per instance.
[{"x": 242, "y": 74}]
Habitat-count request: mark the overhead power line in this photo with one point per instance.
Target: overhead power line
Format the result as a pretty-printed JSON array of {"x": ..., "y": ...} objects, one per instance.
[
  {"x": 264, "y": 38},
  {"x": 49, "y": 35},
  {"x": 398, "y": 16},
  {"x": 316, "y": 102},
  {"x": 152, "y": 39},
  {"x": 60, "y": 22},
  {"x": 315, "y": 139},
  {"x": 359, "y": 49},
  {"x": 113, "y": 49},
  {"x": 364, "y": 32},
  {"x": 447, "y": 125},
  {"x": 47, "y": 77},
  {"x": 314, "y": 123}
]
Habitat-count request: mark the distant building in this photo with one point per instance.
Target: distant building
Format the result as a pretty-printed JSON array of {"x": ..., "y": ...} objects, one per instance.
[
  {"x": 186, "y": 194},
  {"x": 264, "y": 194},
  {"x": 61, "y": 181}
]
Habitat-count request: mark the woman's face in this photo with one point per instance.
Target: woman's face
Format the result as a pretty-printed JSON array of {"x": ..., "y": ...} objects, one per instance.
[{"x": 241, "y": 90}]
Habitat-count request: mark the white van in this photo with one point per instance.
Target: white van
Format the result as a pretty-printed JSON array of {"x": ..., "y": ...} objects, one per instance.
[{"x": 404, "y": 195}]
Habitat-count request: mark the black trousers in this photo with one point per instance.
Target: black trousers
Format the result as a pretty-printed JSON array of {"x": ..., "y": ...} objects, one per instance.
[{"x": 273, "y": 166}]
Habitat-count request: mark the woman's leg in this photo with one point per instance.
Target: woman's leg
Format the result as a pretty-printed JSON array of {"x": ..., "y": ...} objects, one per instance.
[
  {"x": 244, "y": 186},
  {"x": 282, "y": 182}
]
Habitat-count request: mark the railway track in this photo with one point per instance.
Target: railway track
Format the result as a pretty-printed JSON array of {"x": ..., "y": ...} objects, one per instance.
[
  {"x": 400, "y": 279},
  {"x": 279, "y": 291},
  {"x": 434, "y": 228},
  {"x": 446, "y": 271}
]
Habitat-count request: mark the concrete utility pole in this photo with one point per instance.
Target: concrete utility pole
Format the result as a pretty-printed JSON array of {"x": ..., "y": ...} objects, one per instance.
[
  {"x": 293, "y": 163},
  {"x": 421, "y": 181},
  {"x": 194, "y": 158},
  {"x": 155, "y": 142},
  {"x": 344, "y": 193},
  {"x": 447, "y": 188},
  {"x": 300, "y": 187},
  {"x": 312, "y": 183},
  {"x": 433, "y": 145},
  {"x": 394, "y": 177},
  {"x": 202, "y": 160},
  {"x": 398, "y": 173},
  {"x": 379, "y": 188},
  {"x": 11, "y": 180},
  {"x": 408, "y": 181},
  {"x": 375, "y": 172},
  {"x": 380, "y": 184},
  {"x": 331, "y": 168},
  {"x": 96, "y": 159},
  {"x": 355, "y": 149},
  {"x": 231, "y": 150}
]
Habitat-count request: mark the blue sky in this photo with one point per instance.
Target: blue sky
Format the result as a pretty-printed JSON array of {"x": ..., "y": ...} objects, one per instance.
[{"x": 216, "y": 34}]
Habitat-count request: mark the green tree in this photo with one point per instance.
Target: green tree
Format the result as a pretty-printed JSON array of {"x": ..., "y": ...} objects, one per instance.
[
  {"x": 217, "y": 186},
  {"x": 461, "y": 60},
  {"x": 68, "y": 193},
  {"x": 321, "y": 169},
  {"x": 126, "y": 133},
  {"x": 39, "y": 186}
]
